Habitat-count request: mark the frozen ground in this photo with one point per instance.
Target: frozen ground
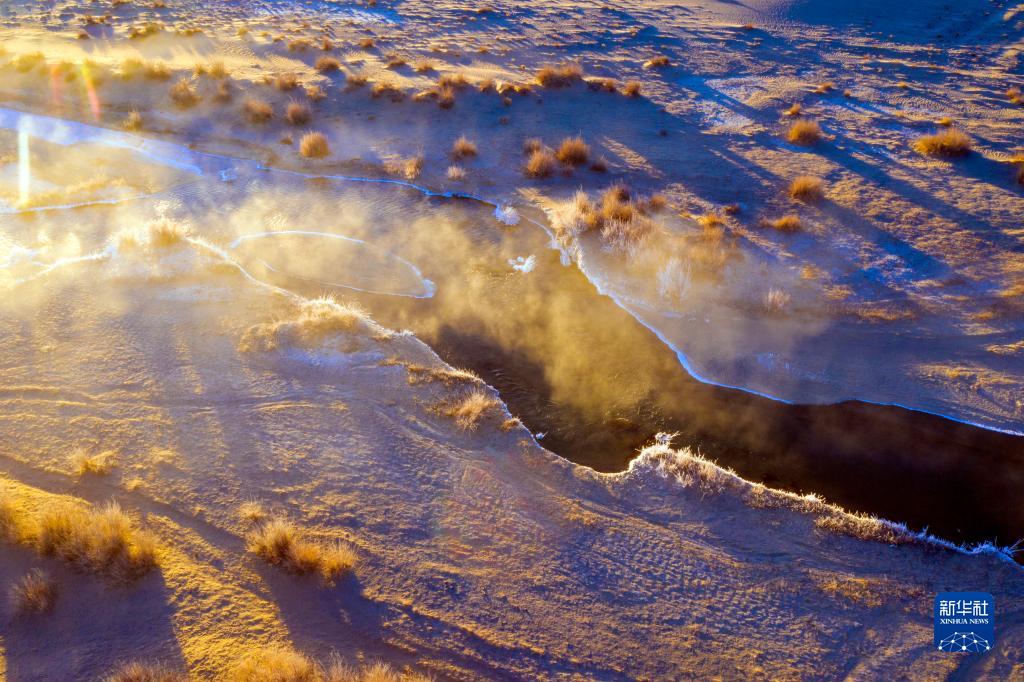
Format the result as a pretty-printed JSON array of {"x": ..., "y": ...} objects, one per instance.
[{"x": 480, "y": 553}]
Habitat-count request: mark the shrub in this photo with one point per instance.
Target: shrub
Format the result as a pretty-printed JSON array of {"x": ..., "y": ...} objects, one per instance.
[
  {"x": 424, "y": 66},
  {"x": 657, "y": 62},
  {"x": 146, "y": 672},
  {"x": 104, "y": 541},
  {"x": 258, "y": 110},
  {"x": 463, "y": 147},
  {"x": 251, "y": 511},
  {"x": 787, "y": 223},
  {"x": 355, "y": 80},
  {"x": 326, "y": 64},
  {"x": 299, "y": 45},
  {"x": 602, "y": 84},
  {"x": 99, "y": 464},
  {"x": 806, "y": 188},
  {"x": 804, "y": 132},
  {"x": 947, "y": 144},
  {"x": 297, "y": 113},
  {"x": 573, "y": 151},
  {"x": 540, "y": 164},
  {"x": 314, "y": 146},
  {"x": 279, "y": 544},
  {"x": 561, "y": 76},
  {"x": 394, "y": 62},
  {"x": 36, "y": 592},
  {"x": 367, "y": 43},
  {"x": 10, "y": 527},
  {"x": 631, "y": 89}
]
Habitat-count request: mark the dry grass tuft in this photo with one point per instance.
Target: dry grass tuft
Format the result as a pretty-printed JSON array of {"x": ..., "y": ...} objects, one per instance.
[
  {"x": 327, "y": 64},
  {"x": 252, "y": 511},
  {"x": 286, "y": 81},
  {"x": 183, "y": 94},
  {"x": 83, "y": 463},
  {"x": 787, "y": 223},
  {"x": 540, "y": 164},
  {"x": 297, "y": 113},
  {"x": 804, "y": 132},
  {"x": 146, "y": 672},
  {"x": 276, "y": 664},
  {"x": 573, "y": 151},
  {"x": 314, "y": 145},
  {"x": 463, "y": 147},
  {"x": 631, "y": 89},
  {"x": 561, "y": 76},
  {"x": 367, "y": 43},
  {"x": 825, "y": 87},
  {"x": 794, "y": 110},
  {"x": 658, "y": 62},
  {"x": 317, "y": 320},
  {"x": 775, "y": 301},
  {"x": 949, "y": 143},
  {"x": 412, "y": 167},
  {"x": 456, "y": 173},
  {"x": 278, "y": 542},
  {"x": 468, "y": 409},
  {"x": 10, "y": 526},
  {"x": 104, "y": 541},
  {"x": 258, "y": 111},
  {"x": 132, "y": 122},
  {"x": 36, "y": 592},
  {"x": 532, "y": 145},
  {"x": 806, "y": 188},
  {"x": 945, "y": 122}
]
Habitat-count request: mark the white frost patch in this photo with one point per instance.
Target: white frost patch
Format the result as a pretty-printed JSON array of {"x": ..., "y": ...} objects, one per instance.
[
  {"x": 507, "y": 215},
  {"x": 523, "y": 265}
]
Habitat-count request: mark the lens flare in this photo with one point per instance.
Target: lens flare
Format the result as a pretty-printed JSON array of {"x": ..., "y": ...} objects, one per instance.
[
  {"x": 90, "y": 92},
  {"x": 24, "y": 165}
]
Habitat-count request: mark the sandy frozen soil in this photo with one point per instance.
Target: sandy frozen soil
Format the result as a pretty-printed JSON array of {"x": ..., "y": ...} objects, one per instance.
[{"x": 480, "y": 553}]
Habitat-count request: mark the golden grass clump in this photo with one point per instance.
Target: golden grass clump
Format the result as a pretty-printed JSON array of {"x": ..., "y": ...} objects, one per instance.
[
  {"x": 394, "y": 61},
  {"x": 540, "y": 164},
  {"x": 276, "y": 664},
  {"x": 104, "y": 541},
  {"x": 278, "y": 542},
  {"x": 631, "y": 89},
  {"x": 367, "y": 43},
  {"x": 316, "y": 320},
  {"x": 532, "y": 144},
  {"x": 297, "y": 113},
  {"x": 950, "y": 143},
  {"x": 456, "y": 173},
  {"x": 468, "y": 409},
  {"x": 315, "y": 93},
  {"x": 138, "y": 671},
  {"x": 252, "y": 511},
  {"x": 326, "y": 64},
  {"x": 412, "y": 167},
  {"x": 794, "y": 110},
  {"x": 804, "y": 132},
  {"x": 258, "y": 110},
  {"x": 389, "y": 90},
  {"x": 299, "y": 45},
  {"x": 132, "y": 122},
  {"x": 561, "y": 76},
  {"x": 945, "y": 122},
  {"x": 573, "y": 151},
  {"x": 787, "y": 223},
  {"x": 36, "y": 592},
  {"x": 183, "y": 94},
  {"x": 775, "y": 301},
  {"x": 10, "y": 527},
  {"x": 99, "y": 464},
  {"x": 657, "y": 62},
  {"x": 806, "y": 188},
  {"x": 313, "y": 145},
  {"x": 286, "y": 81},
  {"x": 463, "y": 147}
]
